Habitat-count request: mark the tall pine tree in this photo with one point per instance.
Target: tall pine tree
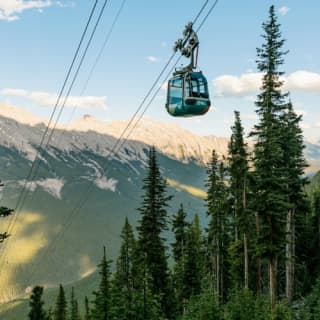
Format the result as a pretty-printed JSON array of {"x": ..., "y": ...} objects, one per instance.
[
  {"x": 60, "y": 311},
  {"x": 74, "y": 309},
  {"x": 86, "y": 309},
  {"x": 101, "y": 302},
  {"x": 123, "y": 286},
  {"x": 193, "y": 260},
  {"x": 238, "y": 171},
  {"x": 270, "y": 185},
  {"x": 294, "y": 164},
  {"x": 36, "y": 303},
  {"x": 217, "y": 210},
  {"x": 180, "y": 230},
  {"x": 151, "y": 226}
]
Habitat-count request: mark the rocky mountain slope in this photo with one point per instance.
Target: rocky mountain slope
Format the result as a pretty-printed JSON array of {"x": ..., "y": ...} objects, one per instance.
[{"x": 81, "y": 194}]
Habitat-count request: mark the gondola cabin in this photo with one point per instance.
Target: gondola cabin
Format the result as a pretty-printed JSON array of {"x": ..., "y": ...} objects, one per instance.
[{"x": 188, "y": 94}]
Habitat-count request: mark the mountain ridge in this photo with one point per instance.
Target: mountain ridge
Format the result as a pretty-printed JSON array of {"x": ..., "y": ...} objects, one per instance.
[
  {"x": 90, "y": 132},
  {"x": 77, "y": 160}
]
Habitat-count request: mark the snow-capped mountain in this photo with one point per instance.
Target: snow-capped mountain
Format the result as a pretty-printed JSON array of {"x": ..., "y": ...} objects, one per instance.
[
  {"x": 99, "y": 136},
  {"x": 79, "y": 159},
  {"x": 79, "y": 164}
]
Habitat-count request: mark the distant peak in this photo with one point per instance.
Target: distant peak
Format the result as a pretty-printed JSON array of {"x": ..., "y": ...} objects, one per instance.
[
  {"x": 87, "y": 117},
  {"x": 20, "y": 114}
]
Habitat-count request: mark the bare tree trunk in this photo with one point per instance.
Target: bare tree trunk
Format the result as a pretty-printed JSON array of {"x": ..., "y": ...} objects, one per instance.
[
  {"x": 236, "y": 231},
  {"x": 245, "y": 243},
  {"x": 293, "y": 266},
  {"x": 290, "y": 255},
  {"x": 246, "y": 262},
  {"x": 272, "y": 281},
  {"x": 213, "y": 256},
  {"x": 221, "y": 279},
  {"x": 258, "y": 261},
  {"x": 218, "y": 270}
]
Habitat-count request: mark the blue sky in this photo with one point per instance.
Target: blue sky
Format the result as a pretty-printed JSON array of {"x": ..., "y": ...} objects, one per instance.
[{"x": 38, "y": 40}]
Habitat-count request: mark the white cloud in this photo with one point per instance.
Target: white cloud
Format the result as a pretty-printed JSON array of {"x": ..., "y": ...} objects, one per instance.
[
  {"x": 305, "y": 125},
  {"x": 248, "y": 83},
  {"x": 14, "y": 92},
  {"x": 283, "y": 10},
  {"x": 49, "y": 99},
  {"x": 303, "y": 81},
  {"x": 10, "y": 9},
  {"x": 61, "y": 4},
  {"x": 229, "y": 85},
  {"x": 152, "y": 59},
  {"x": 249, "y": 116}
]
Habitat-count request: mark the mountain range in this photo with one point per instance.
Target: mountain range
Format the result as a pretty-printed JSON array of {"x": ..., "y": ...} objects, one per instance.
[{"x": 83, "y": 191}]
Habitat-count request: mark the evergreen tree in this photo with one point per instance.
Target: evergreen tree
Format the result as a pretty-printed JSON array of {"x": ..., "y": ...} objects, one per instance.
[
  {"x": 50, "y": 314},
  {"x": 193, "y": 260},
  {"x": 36, "y": 305},
  {"x": 270, "y": 185},
  {"x": 308, "y": 245},
  {"x": 4, "y": 212},
  {"x": 217, "y": 210},
  {"x": 294, "y": 164},
  {"x": 147, "y": 305},
  {"x": 60, "y": 311},
  {"x": 101, "y": 302},
  {"x": 123, "y": 284},
  {"x": 86, "y": 309},
  {"x": 74, "y": 309},
  {"x": 151, "y": 226},
  {"x": 180, "y": 230},
  {"x": 242, "y": 220},
  {"x": 204, "y": 307}
]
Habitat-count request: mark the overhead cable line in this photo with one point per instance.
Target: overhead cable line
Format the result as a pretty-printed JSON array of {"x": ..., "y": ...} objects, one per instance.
[
  {"x": 105, "y": 42},
  {"x": 13, "y": 219},
  {"x": 116, "y": 148},
  {"x": 34, "y": 167},
  {"x": 58, "y": 99},
  {"x": 89, "y": 75}
]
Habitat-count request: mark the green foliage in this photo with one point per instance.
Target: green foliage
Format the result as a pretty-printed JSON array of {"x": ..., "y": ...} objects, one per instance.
[
  {"x": 74, "y": 309},
  {"x": 244, "y": 305},
  {"x": 123, "y": 285},
  {"x": 203, "y": 307},
  {"x": 217, "y": 210},
  {"x": 179, "y": 228},
  {"x": 238, "y": 170},
  {"x": 270, "y": 180},
  {"x": 151, "y": 226},
  {"x": 101, "y": 302},
  {"x": 193, "y": 260},
  {"x": 60, "y": 311},
  {"x": 36, "y": 305},
  {"x": 4, "y": 212},
  {"x": 311, "y": 309},
  {"x": 242, "y": 218},
  {"x": 86, "y": 309}
]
